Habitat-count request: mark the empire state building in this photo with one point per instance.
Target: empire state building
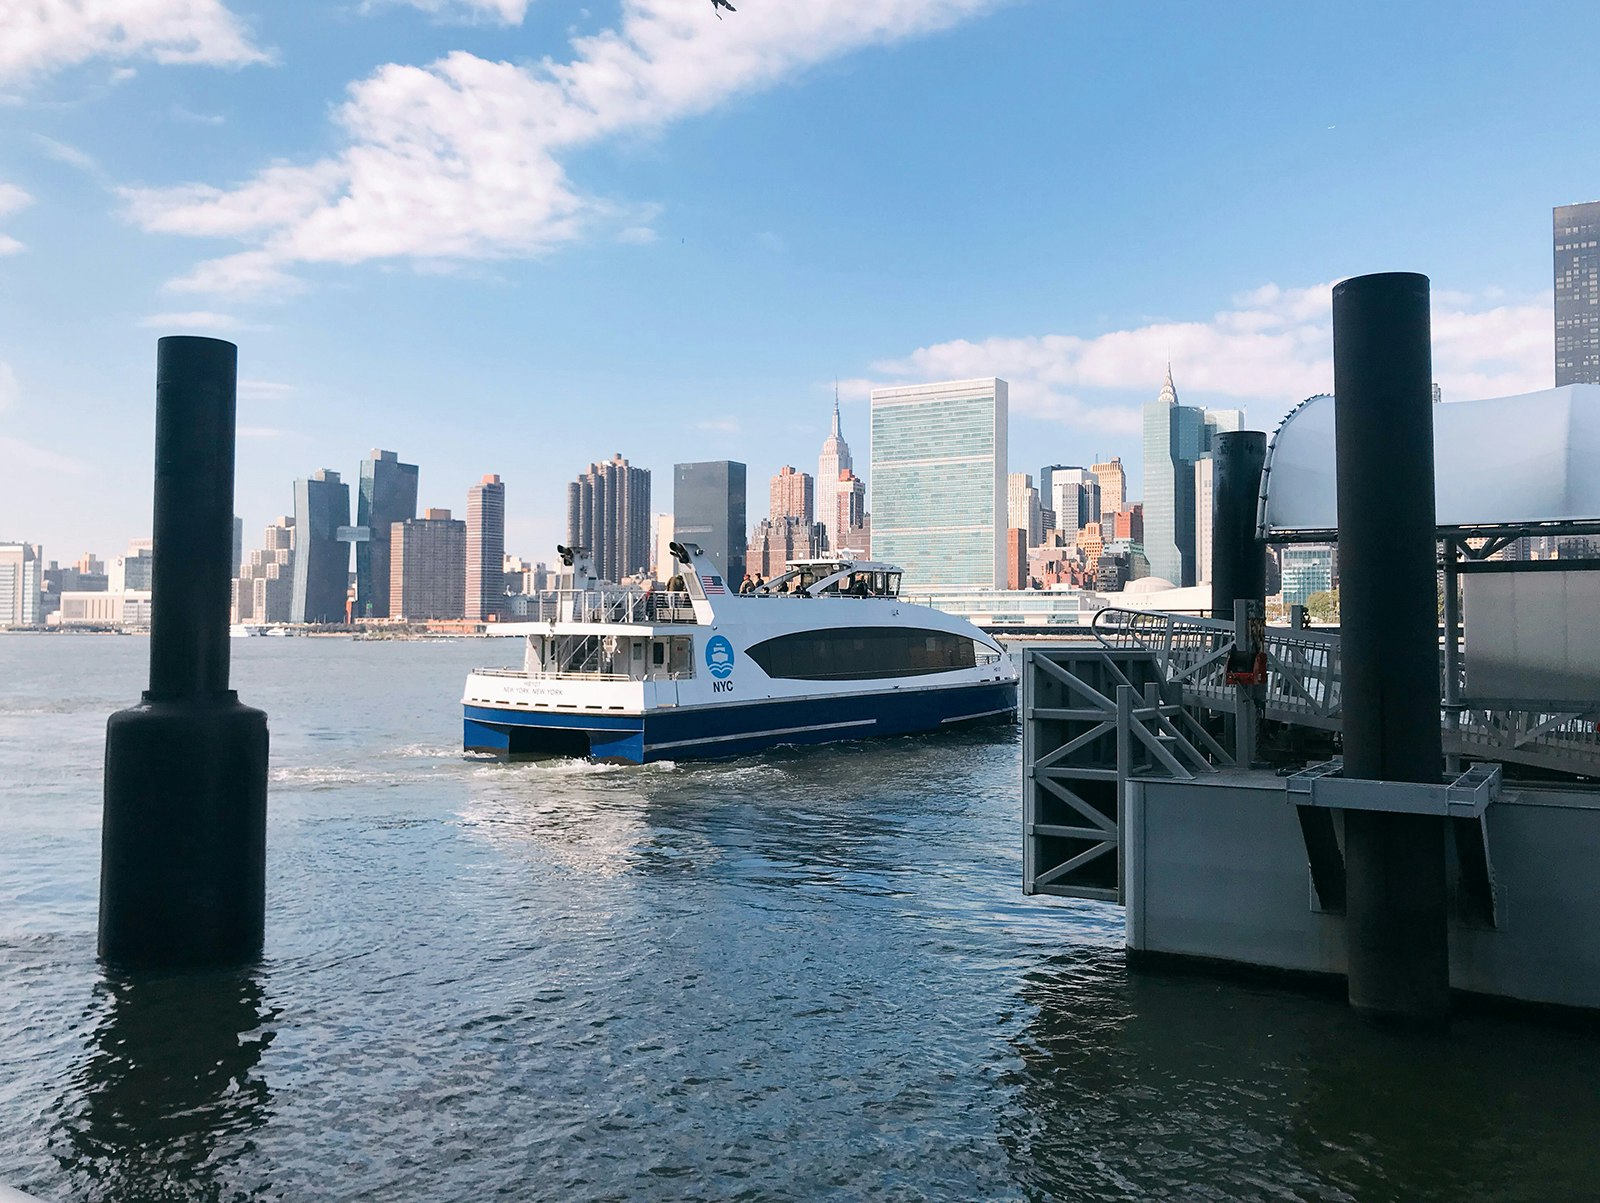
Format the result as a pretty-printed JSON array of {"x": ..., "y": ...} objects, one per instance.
[{"x": 835, "y": 458}]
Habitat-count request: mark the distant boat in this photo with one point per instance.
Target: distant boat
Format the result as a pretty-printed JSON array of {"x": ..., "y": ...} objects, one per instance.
[
  {"x": 244, "y": 630},
  {"x": 825, "y": 652}
]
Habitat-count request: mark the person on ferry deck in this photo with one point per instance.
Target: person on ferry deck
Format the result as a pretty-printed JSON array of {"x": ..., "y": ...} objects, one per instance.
[{"x": 747, "y": 585}]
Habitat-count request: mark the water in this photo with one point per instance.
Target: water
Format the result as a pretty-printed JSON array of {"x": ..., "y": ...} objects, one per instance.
[{"x": 809, "y": 975}]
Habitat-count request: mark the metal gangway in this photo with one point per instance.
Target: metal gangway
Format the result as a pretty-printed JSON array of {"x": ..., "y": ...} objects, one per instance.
[{"x": 1302, "y": 688}]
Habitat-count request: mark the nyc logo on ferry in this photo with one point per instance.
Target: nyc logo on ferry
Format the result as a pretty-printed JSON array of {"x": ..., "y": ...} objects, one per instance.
[{"x": 719, "y": 659}]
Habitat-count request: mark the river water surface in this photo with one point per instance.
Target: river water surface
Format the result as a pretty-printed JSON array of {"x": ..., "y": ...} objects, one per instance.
[{"x": 805, "y": 975}]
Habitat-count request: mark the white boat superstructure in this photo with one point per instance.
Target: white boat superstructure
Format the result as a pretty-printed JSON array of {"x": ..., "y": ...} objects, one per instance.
[{"x": 825, "y": 652}]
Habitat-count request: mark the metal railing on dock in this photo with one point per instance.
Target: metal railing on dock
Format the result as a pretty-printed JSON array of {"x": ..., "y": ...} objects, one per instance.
[{"x": 1303, "y": 687}]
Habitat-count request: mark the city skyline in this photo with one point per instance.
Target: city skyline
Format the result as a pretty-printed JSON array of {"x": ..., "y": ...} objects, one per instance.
[{"x": 529, "y": 319}]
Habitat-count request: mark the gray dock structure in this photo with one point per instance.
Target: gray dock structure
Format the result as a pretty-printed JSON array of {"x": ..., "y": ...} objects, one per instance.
[{"x": 1210, "y": 800}]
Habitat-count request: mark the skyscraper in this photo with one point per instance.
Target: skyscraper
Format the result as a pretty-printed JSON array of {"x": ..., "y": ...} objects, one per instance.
[
  {"x": 608, "y": 511},
  {"x": 429, "y": 575},
  {"x": 486, "y": 549},
  {"x": 1175, "y": 437},
  {"x": 850, "y": 516},
  {"x": 1113, "y": 486},
  {"x": 792, "y": 496},
  {"x": 263, "y": 591},
  {"x": 835, "y": 459},
  {"x": 1075, "y": 497},
  {"x": 321, "y": 561},
  {"x": 939, "y": 482},
  {"x": 708, "y": 508},
  {"x": 1204, "y": 516},
  {"x": 1577, "y": 272},
  {"x": 388, "y": 494},
  {"x": 1023, "y": 509}
]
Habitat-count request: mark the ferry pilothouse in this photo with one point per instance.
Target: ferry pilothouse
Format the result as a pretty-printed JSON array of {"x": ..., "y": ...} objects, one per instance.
[{"x": 827, "y": 651}]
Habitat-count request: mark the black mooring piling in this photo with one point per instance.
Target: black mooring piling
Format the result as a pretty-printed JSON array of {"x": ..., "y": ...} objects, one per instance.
[
  {"x": 1238, "y": 555},
  {"x": 1396, "y": 928},
  {"x": 183, "y": 847}
]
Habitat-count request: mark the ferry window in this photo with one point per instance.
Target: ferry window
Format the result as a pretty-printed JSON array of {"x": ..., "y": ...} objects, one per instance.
[
  {"x": 682, "y": 655},
  {"x": 658, "y": 653},
  {"x": 858, "y": 653}
]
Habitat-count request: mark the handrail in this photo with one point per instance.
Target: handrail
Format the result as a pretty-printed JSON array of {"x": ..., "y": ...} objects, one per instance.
[{"x": 1305, "y": 686}]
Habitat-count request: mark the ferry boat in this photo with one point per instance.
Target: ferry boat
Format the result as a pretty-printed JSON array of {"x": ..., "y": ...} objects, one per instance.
[{"x": 825, "y": 652}]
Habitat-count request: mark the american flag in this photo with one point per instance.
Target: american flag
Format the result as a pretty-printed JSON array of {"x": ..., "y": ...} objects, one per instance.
[{"x": 712, "y": 584}]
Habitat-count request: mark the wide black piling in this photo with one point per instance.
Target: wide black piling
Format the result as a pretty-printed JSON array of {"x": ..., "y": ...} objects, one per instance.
[
  {"x": 1238, "y": 555},
  {"x": 183, "y": 847},
  {"x": 1399, "y": 965}
]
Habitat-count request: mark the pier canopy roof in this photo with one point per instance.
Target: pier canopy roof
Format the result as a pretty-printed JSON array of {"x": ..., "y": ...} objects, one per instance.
[{"x": 1528, "y": 461}]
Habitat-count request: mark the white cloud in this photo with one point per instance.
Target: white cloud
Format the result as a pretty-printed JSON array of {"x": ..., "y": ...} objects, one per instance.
[
  {"x": 12, "y": 199},
  {"x": 1273, "y": 348},
  {"x": 507, "y": 12},
  {"x": 194, "y": 320},
  {"x": 637, "y": 236},
  {"x": 263, "y": 390},
  {"x": 463, "y": 158},
  {"x": 9, "y": 245},
  {"x": 38, "y": 36}
]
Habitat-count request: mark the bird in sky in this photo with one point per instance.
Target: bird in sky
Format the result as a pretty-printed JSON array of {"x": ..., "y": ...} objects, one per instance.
[{"x": 718, "y": 5}]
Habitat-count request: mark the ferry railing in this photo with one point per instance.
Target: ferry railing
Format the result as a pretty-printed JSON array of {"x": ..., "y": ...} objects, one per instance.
[
  {"x": 538, "y": 675},
  {"x": 609, "y": 606}
]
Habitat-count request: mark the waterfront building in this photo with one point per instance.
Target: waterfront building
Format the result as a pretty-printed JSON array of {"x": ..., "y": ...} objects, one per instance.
[
  {"x": 792, "y": 495},
  {"x": 991, "y": 608},
  {"x": 608, "y": 512},
  {"x": 238, "y": 543},
  {"x": 126, "y": 610},
  {"x": 1075, "y": 497},
  {"x": 708, "y": 508},
  {"x": 21, "y": 585},
  {"x": 1205, "y": 506},
  {"x": 1022, "y": 507},
  {"x": 135, "y": 570},
  {"x": 939, "y": 482},
  {"x": 1175, "y": 437},
  {"x": 428, "y": 577},
  {"x": 1091, "y": 542},
  {"x": 486, "y": 549},
  {"x": 1113, "y": 481},
  {"x": 263, "y": 590},
  {"x": 851, "y": 524},
  {"x": 1576, "y": 230},
  {"x": 89, "y": 565},
  {"x": 1306, "y": 568},
  {"x": 387, "y": 494},
  {"x": 321, "y": 561},
  {"x": 831, "y": 466}
]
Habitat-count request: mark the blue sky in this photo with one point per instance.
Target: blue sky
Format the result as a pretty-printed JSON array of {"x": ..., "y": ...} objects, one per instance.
[{"x": 516, "y": 236}]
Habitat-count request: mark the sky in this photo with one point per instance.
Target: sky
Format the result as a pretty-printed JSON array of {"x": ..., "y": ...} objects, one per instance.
[{"x": 518, "y": 236}]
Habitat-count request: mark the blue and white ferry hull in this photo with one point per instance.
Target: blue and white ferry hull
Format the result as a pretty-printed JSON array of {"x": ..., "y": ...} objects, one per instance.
[{"x": 735, "y": 729}]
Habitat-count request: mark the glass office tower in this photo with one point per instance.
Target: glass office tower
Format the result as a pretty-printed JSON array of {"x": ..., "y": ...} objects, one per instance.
[
  {"x": 939, "y": 505},
  {"x": 708, "y": 508},
  {"x": 321, "y": 561},
  {"x": 1577, "y": 271},
  {"x": 388, "y": 495}
]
